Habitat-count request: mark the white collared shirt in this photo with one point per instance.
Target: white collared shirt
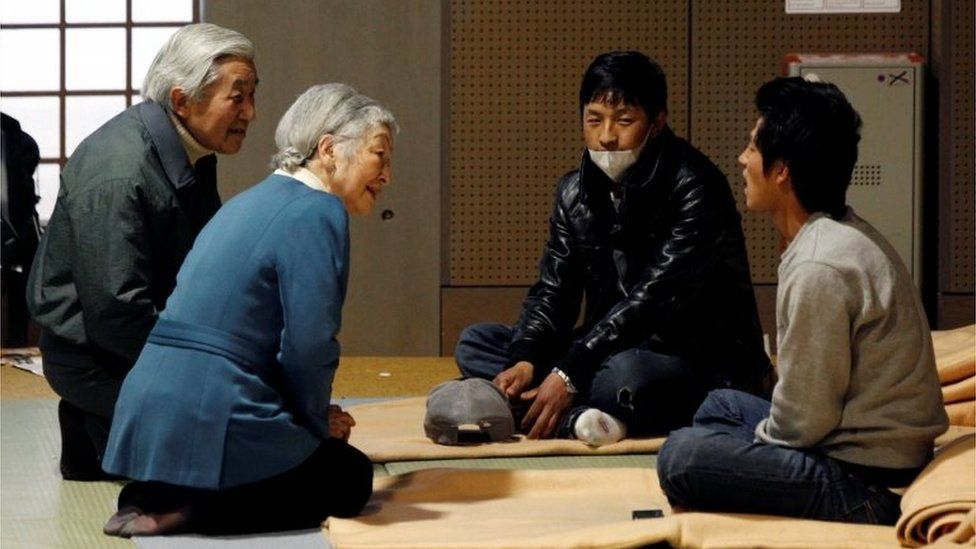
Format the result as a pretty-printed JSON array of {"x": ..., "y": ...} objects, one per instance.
[{"x": 305, "y": 176}]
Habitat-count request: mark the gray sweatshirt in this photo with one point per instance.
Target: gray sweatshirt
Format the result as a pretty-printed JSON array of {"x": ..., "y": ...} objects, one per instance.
[{"x": 857, "y": 377}]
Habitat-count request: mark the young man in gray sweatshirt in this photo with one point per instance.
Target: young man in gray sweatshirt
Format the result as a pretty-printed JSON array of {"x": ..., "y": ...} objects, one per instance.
[{"x": 858, "y": 403}]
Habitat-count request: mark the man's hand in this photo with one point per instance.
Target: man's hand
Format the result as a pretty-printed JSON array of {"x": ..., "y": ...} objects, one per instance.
[
  {"x": 551, "y": 402},
  {"x": 340, "y": 423},
  {"x": 515, "y": 380}
]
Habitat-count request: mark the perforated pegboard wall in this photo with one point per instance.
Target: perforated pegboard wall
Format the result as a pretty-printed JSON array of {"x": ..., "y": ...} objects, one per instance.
[
  {"x": 961, "y": 252},
  {"x": 737, "y": 46},
  {"x": 515, "y": 68}
]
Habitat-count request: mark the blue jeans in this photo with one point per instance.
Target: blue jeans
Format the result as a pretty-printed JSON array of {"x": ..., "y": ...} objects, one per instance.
[
  {"x": 650, "y": 392},
  {"x": 716, "y": 465}
]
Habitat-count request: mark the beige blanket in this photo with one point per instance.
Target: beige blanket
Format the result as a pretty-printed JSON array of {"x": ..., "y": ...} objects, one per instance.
[
  {"x": 955, "y": 357},
  {"x": 961, "y": 413},
  {"x": 963, "y": 533},
  {"x": 955, "y": 353},
  {"x": 394, "y": 431},
  {"x": 569, "y": 508},
  {"x": 959, "y": 391},
  {"x": 936, "y": 505}
]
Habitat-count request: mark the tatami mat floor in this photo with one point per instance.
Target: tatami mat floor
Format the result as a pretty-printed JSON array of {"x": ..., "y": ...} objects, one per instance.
[
  {"x": 357, "y": 377},
  {"x": 39, "y": 510}
]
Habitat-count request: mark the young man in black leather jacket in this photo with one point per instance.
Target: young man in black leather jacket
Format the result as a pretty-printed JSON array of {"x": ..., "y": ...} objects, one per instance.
[{"x": 646, "y": 232}]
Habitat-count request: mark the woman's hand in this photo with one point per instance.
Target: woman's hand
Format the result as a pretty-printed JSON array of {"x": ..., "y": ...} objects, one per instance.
[{"x": 340, "y": 423}]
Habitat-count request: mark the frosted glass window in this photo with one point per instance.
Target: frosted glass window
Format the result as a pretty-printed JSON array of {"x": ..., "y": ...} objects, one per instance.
[
  {"x": 48, "y": 180},
  {"x": 95, "y": 59},
  {"x": 85, "y": 114},
  {"x": 30, "y": 60},
  {"x": 155, "y": 11},
  {"x": 136, "y": 99},
  {"x": 38, "y": 116},
  {"x": 94, "y": 11},
  {"x": 34, "y": 11},
  {"x": 145, "y": 44}
]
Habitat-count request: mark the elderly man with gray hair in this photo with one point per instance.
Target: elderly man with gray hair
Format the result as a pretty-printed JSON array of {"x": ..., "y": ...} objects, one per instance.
[{"x": 133, "y": 197}]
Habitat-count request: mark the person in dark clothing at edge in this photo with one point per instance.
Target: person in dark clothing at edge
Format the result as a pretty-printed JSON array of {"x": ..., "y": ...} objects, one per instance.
[
  {"x": 133, "y": 197},
  {"x": 20, "y": 227},
  {"x": 646, "y": 231}
]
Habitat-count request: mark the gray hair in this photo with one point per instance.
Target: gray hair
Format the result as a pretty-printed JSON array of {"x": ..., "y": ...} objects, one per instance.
[
  {"x": 335, "y": 109},
  {"x": 191, "y": 60}
]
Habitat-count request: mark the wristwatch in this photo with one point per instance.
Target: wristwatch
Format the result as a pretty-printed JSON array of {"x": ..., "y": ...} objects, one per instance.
[{"x": 570, "y": 388}]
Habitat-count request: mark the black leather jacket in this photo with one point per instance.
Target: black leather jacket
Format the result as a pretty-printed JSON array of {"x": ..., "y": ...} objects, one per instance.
[{"x": 665, "y": 269}]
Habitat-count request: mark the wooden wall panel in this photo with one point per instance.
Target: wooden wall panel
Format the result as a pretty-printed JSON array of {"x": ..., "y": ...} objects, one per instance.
[
  {"x": 464, "y": 306},
  {"x": 389, "y": 50}
]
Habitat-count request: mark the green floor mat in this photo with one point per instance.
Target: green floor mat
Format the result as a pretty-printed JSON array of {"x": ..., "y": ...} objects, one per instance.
[
  {"x": 541, "y": 462},
  {"x": 39, "y": 509}
]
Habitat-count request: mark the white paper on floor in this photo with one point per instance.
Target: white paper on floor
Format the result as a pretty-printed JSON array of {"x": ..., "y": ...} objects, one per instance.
[{"x": 25, "y": 361}]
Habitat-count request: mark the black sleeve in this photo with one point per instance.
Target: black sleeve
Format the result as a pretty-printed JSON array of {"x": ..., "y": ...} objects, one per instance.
[
  {"x": 673, "y": 275},
  {"x": 552, "y": 306}
]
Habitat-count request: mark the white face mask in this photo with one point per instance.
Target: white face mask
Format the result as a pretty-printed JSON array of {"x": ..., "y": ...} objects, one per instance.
[{"x": 615, "y": 163}]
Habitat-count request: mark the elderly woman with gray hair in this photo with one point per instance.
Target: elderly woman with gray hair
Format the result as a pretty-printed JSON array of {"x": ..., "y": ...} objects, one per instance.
[{"x": 225, "y": 422}]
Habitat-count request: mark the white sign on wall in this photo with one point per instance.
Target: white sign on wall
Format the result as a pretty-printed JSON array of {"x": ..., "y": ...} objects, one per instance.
[{"x": 843, "y": 6}]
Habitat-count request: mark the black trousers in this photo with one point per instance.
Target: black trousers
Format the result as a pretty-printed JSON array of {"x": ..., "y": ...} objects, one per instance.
[
  {"x": 17, "y": 321},
  {"x": 649, "y": 390},
  {"x": 88, "y": 381},
  {"x": 336, "y": 480}
]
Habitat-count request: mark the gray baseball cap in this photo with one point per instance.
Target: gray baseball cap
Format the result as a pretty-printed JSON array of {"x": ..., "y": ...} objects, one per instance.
[{"x": 468, "y": 410}]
